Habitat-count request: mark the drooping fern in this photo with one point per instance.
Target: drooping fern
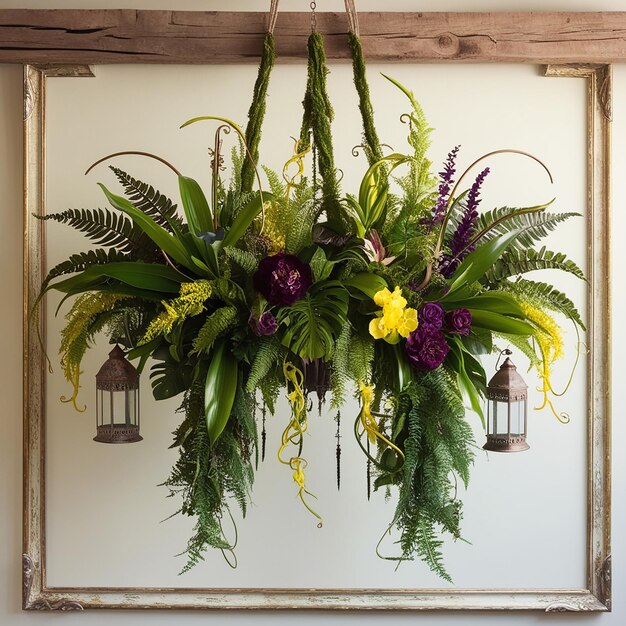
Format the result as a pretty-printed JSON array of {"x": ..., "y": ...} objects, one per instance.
[
  {"x": 106, "y": 228},
  {"x": 438, "y": 446},
  {"x": 533, "y": 226},
  {"x": 81, "y": 261},
  {"x": 301, "y": 215},
  {"x": 267, "y": 355},
  {"x": 151, "y": 201},
  {"x": 544, "y": 295},
  {"x": 264, "y": 375},
  {"x": 515, "y": 261},
  {"x": 206, "y": 475}
]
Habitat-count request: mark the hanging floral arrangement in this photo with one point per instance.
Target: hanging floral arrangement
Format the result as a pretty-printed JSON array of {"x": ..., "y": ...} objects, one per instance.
[{"x": 253, "y": 291}]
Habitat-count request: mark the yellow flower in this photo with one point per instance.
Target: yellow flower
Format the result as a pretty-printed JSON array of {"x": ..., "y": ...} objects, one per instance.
[
  {"x": 189, "y": 303},
  {"x": 377, "y": 328},
  {"x": 408, "y": 323},
  {"x": 394, "y": 320}
]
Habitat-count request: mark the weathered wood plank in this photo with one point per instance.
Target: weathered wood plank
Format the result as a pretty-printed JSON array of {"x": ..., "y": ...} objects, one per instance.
[{"x": 132, "y": 36}]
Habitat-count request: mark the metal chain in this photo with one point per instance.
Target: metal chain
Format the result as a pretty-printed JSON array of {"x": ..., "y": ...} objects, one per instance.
[{"x": 313, "y": 6}]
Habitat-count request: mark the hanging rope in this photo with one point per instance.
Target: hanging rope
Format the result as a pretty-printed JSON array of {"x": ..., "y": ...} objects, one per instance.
[
  {"x": 256, "y": 114},
  {"x": 353, "y": 19},
  {"x": 316, "y": 127},
  {"x": 272, "y": 16},
  {"x": 371, "y": 143}
]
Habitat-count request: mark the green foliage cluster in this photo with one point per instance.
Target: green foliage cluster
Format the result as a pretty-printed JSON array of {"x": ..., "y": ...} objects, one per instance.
[
  {"x": 345, "y": 296},
  {"x": 437, "y": 441}
]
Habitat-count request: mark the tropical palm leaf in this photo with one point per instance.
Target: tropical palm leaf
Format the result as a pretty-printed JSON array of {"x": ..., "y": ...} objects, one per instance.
[{"x": 313, "y": 324}]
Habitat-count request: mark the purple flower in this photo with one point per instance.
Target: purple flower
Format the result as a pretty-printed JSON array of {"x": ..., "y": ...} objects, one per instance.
[
  {"x": 426, "y": 348},
  {"x": 447, "y": 176},
  {"x": 432, "y": 314},
  {"x": 265, "y": 325},
  {"x": 282, "y": 278},
  {"x": 459, "y": 322},
  {"x": 459, "y": 246}
]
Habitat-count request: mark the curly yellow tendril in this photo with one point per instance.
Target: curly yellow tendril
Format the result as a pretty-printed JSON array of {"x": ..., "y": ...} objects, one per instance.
[
  {"x": 294, "y": 433},
  {"x": 368, "y": 421},
  {"x": 298, "y": 160},
  {"x": 549, "y": 339},
  {"x": 77, "y": 333}
]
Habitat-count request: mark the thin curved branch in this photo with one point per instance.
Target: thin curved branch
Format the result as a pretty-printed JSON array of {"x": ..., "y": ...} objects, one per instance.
[{"x": 147, "y": 154}]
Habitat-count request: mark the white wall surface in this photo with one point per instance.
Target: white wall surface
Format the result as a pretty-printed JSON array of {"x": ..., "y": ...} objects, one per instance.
[{"x": 10, "y": 374}]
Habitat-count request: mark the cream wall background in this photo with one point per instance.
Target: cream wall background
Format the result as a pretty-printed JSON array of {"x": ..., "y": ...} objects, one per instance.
[{"x": 10, "y": 315}]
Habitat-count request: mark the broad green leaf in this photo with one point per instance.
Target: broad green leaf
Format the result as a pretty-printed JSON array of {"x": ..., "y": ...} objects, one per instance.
[
  {"x": 480, "y": 260},
  {"x": 172, "y": 246},
  {"x": 244, "y": 218},
  {"x": 494, "y": 301},
  {"x": 468, "y": 389},
  {"x": 145, "y": 276},
  {"x": 365, "y": 282},
  {"x": 499, "y": 323},
  {"x": 220, "y": 390},
  {"x": 312, "y": 324},
  {"x": 320, "y": 265},
  {"x": 195, "y": 204}
]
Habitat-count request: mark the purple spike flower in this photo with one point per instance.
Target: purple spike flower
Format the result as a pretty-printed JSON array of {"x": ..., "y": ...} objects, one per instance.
[
  {"x": 447, "y": 178},
  {"x": 464, "y": 231}
]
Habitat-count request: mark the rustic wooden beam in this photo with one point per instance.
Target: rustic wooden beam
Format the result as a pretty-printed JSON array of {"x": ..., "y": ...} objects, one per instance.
[{"x": 133, "y": 36}]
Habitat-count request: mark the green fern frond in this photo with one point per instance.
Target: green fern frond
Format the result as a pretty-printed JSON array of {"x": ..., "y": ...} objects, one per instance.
[
  {"x": 544, "y": 295},
  {"x": 151, "y": 201},
  {"x": 515, "y": 261},
  {"x": 243, "y": 258},
  {"x": 106, "y": 228},
  {"x": 339, "y": 376},
  {"x": 88, "y": 315},
  {"x": 533, "y": 226},
  {"x": 437, "y": 445},
  {"x": 82, "y": 260},
  {"x": 215, "y": 325},
  {"x": 269, "y": 352}
]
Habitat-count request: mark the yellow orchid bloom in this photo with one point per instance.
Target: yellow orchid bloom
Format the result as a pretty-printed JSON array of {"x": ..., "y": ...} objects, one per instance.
[{"x": 394, "y": 320}]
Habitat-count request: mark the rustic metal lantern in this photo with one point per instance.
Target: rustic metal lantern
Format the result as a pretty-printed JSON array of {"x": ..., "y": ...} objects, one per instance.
[
  {"x": 117, "y": 400},
  {"x": 507, "y": 409}
]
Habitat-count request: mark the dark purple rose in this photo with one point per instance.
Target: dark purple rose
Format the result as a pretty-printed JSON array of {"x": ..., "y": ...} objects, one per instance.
[
  {"x": 282, "y": 278},
  {"x": 265, "y": 325},
  {"x": 426, "y": 350},
  {"x": 459, "y": 322},
  {"x": 431, "y": 313}
]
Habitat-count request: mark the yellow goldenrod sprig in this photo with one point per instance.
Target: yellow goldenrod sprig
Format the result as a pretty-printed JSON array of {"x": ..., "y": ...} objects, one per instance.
[
  {"x": 549, "y": 339},
  {"x": 190, "y": 302}
]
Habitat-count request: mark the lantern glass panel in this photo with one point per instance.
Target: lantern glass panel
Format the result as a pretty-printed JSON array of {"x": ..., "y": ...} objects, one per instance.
[{"x": 117, "y": 407}]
